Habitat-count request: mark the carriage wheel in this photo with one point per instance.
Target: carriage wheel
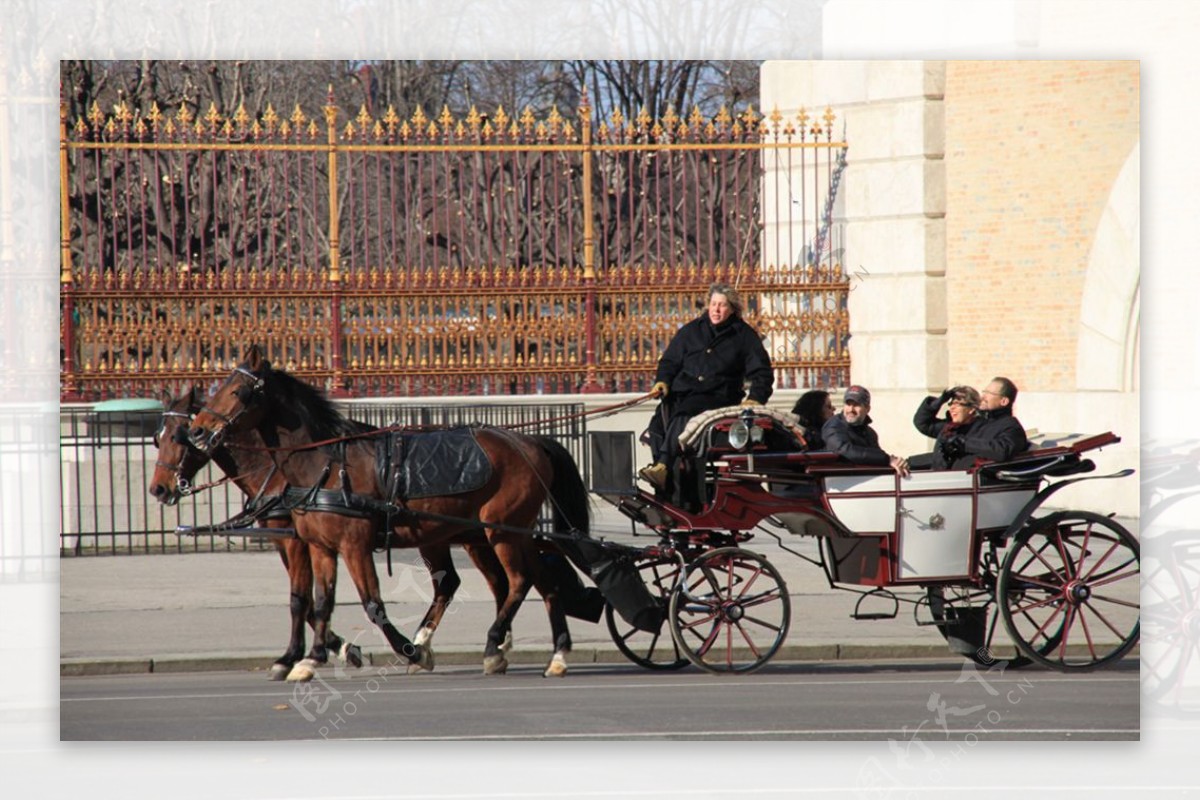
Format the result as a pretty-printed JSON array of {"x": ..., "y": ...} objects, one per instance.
[
  {"x": 1071, "y": 586},
  {"x": 653, "y": 651},
  {"x": 731, "y": 613}
]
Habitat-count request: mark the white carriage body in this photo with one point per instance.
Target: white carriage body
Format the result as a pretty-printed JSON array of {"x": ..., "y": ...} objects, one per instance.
[{"x": 930, "y": 521}]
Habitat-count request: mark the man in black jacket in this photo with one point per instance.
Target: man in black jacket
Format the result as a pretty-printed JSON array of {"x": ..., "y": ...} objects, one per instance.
[
  {"x": 705, "y": 367},
  {"x": 998, "y": 435},
  {"x": 849, "y": 433}
]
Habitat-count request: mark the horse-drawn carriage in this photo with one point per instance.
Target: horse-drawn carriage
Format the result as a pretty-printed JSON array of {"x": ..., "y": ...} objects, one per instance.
[{"x": 965, "y": 548}]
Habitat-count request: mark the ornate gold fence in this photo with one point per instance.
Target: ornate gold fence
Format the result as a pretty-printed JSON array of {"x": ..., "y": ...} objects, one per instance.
[{"x": 476, "y": 256}]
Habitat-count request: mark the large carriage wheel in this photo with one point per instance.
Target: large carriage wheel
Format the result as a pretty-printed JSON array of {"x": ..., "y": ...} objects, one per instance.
[
  {"x": 1072, "y": 577},
  {"x": 732, "y": 611},
  {"x": 653, "y": 651}
]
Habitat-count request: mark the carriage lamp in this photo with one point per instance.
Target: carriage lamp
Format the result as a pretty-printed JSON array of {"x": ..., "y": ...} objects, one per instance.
[{"x": 743, "y": 431}]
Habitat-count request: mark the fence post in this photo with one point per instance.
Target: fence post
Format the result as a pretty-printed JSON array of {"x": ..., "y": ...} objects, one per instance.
[
  {"x": 590, "y": 383},
  {"x": 337, "y": 388},
  {"x": 69, "y": 391}
]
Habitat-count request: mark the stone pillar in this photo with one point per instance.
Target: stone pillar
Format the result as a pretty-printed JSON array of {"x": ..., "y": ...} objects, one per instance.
[{"x": 892, "y": 207}]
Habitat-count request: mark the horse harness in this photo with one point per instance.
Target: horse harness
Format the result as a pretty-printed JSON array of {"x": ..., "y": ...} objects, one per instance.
[{"x": 409, "y": 466}]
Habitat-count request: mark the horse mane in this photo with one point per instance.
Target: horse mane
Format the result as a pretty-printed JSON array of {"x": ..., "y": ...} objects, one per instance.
[{"x": 316, "y": 412}]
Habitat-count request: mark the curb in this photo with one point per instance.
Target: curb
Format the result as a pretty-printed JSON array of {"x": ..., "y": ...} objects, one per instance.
[{"x": 585, "y": 655}]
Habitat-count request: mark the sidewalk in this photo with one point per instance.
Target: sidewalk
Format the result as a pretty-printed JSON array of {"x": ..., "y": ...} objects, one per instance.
[{"x": 223, "y": 611}]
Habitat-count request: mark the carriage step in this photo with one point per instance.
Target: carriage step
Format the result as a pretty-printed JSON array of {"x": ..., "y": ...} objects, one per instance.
[{"x": 876, "y": 594}]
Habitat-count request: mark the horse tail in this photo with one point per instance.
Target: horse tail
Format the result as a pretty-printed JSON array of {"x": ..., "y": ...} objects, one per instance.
[
  {"x": 568, "y": 494},
  {"x": 616, "y": 577}
]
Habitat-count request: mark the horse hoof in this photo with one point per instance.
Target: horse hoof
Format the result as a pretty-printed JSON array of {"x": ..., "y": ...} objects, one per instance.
[
  {"x": 494, "y": 665},
  {"x": 351, "y": 654},
  {"x": 506, "y": 646},
  {"x": 424, "y": 664},
  {"x": 557, "y": 667},
  {"x": 304, "y": 670},
  {"x": 278, "y": 672}
]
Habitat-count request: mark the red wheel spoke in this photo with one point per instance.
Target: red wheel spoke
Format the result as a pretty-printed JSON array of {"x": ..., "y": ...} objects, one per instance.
[
  {"x": 1112, "y": 578},
  {"x": 1087, "y": 632},
  {"x": 754, "y": 577},
  {"x": 1111, "y": 600},
  {"x": 1042, "y": 604},
  {"x": 1038, "y": 555},
  {"x": 1103, "y": 619},
  {"x": 1041, "y": 630},
  {"x": 760, "y": 622},
  {"x": 749, "y": 642},
  {"x": 700, "y": 621},
  {"x": 1037, "y": 582},
  {"x": 759, "y": 600},
  {"x": 1083, "y": 549},
  {"x": 1066, "y": 633},
  {"x": 707, "y": 643},
  {"x": 1101, "y": 560},
  {"x": 1061, "y": 547}
]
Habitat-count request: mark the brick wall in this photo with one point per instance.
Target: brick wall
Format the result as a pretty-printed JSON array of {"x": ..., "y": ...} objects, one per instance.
[{"x": 1032, "y": 151}]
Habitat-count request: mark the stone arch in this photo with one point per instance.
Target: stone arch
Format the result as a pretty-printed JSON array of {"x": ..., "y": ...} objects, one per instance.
[{"x": 1110, "y": 307}]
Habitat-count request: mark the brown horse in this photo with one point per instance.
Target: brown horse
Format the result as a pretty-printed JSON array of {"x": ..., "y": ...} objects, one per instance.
[
  {"x": 307, "y": 438},
  {"x": 253, "y": 472}
]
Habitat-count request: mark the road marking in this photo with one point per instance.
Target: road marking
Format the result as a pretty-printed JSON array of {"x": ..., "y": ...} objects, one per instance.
[
  {"x": 728, "y": 733},
  {"x": 543, "y": 687}
]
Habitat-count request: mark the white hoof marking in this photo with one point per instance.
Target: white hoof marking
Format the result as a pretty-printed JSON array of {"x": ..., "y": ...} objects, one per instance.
[
  {"x": 278, "y": 672},
  {"x": 506, "y": 646},
  {"x": 557, "y": 667},
  {"x": 304, "y": 670}
]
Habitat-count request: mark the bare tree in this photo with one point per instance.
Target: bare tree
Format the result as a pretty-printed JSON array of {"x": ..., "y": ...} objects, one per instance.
[{"x": 213, "y": 208}]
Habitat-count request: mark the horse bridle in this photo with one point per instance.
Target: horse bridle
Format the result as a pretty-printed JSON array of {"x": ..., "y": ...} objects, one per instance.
[
  {"x": 217, "y": 435},
  {"x": 183, "y": 486}
]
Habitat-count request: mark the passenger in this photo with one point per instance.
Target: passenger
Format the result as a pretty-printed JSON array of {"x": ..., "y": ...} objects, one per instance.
[
  {"x": 950, "y": 432},
  {"x": 705, "y": 367},
  {"x": 812, "y": 410},
  {"x": 998, "y": 435},
  {"x": 849, "y": 433}
]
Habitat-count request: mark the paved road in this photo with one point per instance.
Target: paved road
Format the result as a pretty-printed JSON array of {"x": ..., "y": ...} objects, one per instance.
[{"x": 909, "y": 703}]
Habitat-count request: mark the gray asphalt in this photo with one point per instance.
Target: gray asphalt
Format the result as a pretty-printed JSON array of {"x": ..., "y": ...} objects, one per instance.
[
  {"x": 228, "y": 611},
  {"x": 914, "y": 704}
]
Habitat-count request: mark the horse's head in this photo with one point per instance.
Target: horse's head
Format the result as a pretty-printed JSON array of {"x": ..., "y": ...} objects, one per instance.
[
  {"x": 177, "y": 462},
  {"x": 226, "y": 412}
]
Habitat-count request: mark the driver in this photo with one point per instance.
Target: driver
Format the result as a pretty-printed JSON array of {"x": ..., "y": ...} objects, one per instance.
[{"x": 705, "y": 367}]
